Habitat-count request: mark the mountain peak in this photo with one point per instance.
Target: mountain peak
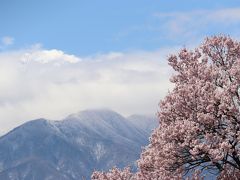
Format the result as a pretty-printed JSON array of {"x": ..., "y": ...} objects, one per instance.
[
  {"x": 94, "y": 112},
  {"x": 71, "y": 148}
]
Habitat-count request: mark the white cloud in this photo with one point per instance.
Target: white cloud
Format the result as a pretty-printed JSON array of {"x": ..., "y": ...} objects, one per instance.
[
  {"x": 7, "y": 40},
  {"x": 193, "y": 25},
  {"x": 229, "y": 15},
  {"x": 38, "y": 83},
  {"x": 47, "y": 56}
]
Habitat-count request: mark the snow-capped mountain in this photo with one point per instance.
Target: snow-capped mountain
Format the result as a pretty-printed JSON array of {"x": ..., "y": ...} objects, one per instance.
[
  {"x": 73, "y": 147},
  {"x": 144, "y": 122}
]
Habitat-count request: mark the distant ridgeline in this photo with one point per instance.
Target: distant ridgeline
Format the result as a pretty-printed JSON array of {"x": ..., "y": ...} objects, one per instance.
[{"x": 72, "y": 148}]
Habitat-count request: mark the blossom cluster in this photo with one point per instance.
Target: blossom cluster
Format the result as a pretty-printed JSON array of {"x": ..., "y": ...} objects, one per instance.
[{"x": 199, "y": 120}]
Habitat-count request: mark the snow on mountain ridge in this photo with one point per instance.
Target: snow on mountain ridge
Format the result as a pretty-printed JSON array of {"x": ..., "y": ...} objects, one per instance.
[
  {"x": 74, "y": 146},
  {"x": 144, "y": 122},
  {"x": 106, "y": 121}
]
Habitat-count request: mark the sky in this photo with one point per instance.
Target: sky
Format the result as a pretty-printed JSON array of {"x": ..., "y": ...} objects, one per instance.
[{"x": 61, "y": 57}]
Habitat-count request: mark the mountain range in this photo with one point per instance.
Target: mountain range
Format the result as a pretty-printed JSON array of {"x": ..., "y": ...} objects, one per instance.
[{"x": 72, "y": 148}]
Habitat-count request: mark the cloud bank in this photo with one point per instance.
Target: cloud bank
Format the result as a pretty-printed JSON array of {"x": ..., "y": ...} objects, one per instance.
[{"x": 36, "y": 83}]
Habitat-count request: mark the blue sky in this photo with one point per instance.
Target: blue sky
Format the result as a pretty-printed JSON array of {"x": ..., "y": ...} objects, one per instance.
[
  {"x": 59, "y": 57},
  {"x": 89, "y": 27}
]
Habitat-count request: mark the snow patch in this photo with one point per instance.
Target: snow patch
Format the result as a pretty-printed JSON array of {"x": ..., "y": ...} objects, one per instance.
[
  {"x": 80, "y": 141},
  {"x": 99, "y": 151}
]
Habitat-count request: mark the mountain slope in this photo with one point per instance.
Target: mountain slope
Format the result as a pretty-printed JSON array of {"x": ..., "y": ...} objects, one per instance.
[
  {"x": 143, "y": 122},
  {"x": 71, "y": 148}
]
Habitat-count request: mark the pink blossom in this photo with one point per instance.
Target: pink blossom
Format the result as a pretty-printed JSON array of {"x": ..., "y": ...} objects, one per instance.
[{"x": 199, "y": 120}]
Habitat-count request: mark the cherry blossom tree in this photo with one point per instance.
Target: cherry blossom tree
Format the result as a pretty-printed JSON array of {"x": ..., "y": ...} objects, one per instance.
[
  {"x": 114, "y": 174},
  {"x": 199, "y": 120}
]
